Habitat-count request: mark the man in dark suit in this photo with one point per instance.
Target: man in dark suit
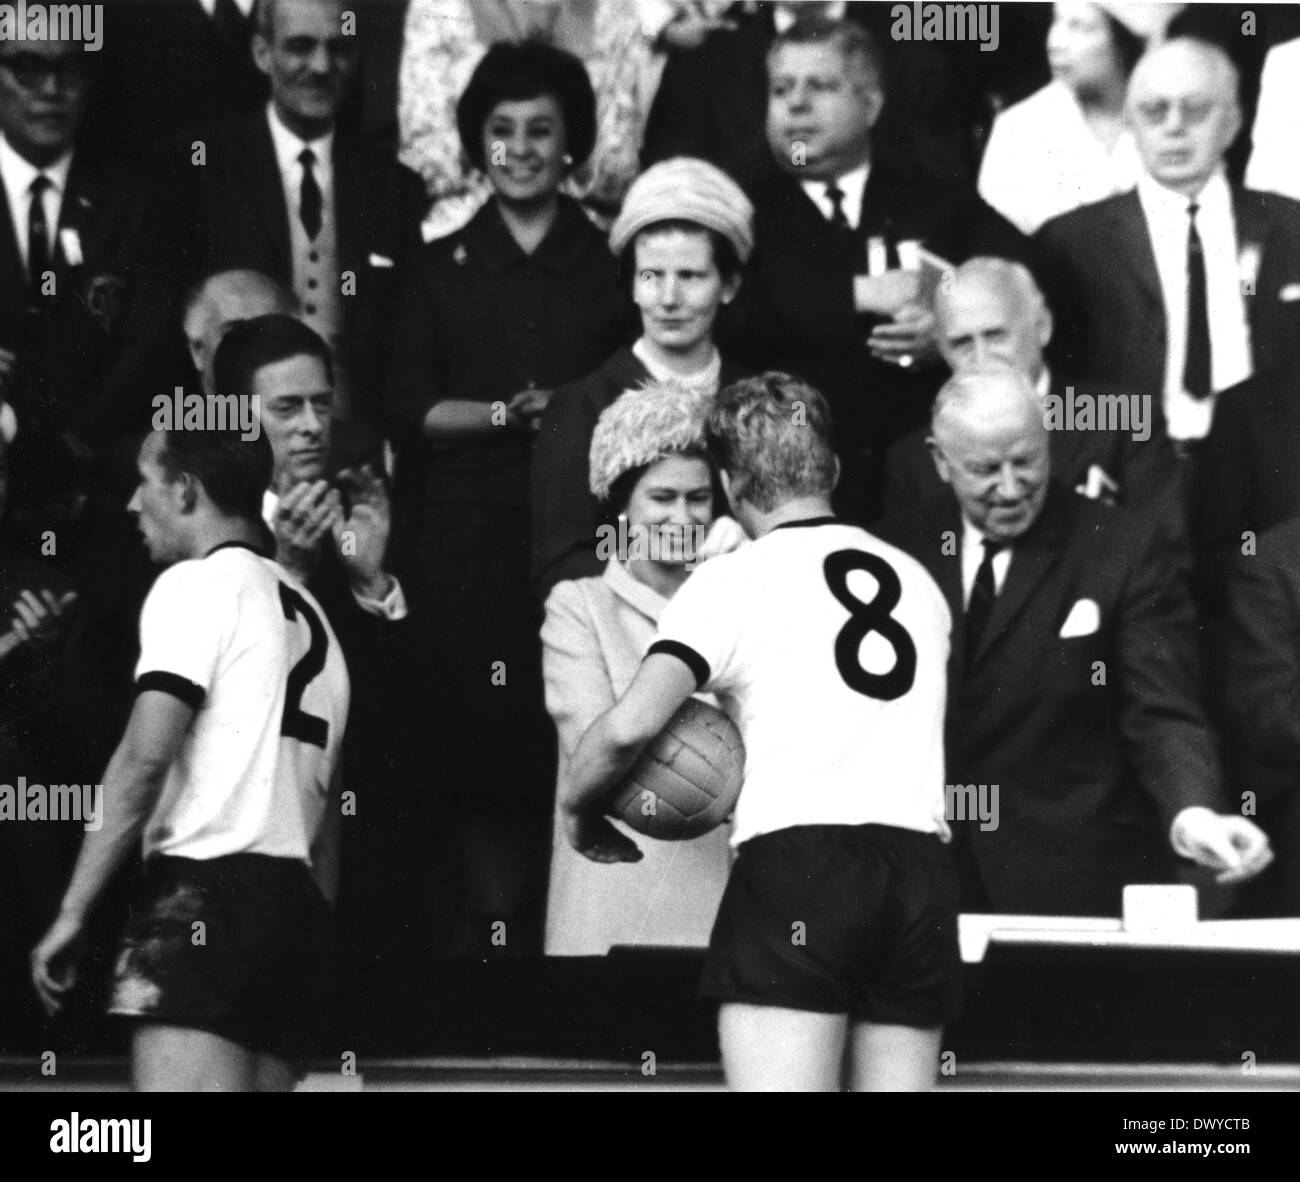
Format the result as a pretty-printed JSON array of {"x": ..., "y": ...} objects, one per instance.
[
  {"x": 289, "y": 192},
  {"x": 82, "y": 273},
  {"x": 828, "y": 299},
  {"x": 329, "y": 515},
  {"x": 1263, "y": 703},
  {"x": 1185, "y": 285},
  {"x": 990, "y": 310},
  {"x": 1072, "y": 677}
]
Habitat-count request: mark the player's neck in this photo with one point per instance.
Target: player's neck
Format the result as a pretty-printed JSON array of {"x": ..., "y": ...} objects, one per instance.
[
  {"x": 221, "y": 531},
  {"x": 800, "y": 509}
]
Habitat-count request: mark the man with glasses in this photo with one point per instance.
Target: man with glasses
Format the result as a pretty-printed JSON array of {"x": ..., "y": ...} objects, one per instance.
[
  {"x": 81, "y": 255},
  {"x": 1185, "y": 285}
]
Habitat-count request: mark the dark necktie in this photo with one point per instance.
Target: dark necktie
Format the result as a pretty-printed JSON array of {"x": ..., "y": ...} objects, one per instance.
[
  {"x": 836, "y": 197},
  {"x": 1196, "y": 369},
  {"x": 310, "y": 200},
  {"x": 982, "y": 595},
  {"x": 38, "y": 233}
]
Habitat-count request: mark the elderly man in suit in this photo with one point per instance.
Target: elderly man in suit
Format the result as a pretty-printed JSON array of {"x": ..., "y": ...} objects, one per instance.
[
  {"x": 991, "y": 311},
  {"x": 289, "y": 192},
  {"x": 1185, "y": 285},
  {"x": 836, "y": 224},
  {"x": 1072, "y": 680}
]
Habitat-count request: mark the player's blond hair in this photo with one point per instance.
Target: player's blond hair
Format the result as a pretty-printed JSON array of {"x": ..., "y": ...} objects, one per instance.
[{"x": 772, "y": 435}]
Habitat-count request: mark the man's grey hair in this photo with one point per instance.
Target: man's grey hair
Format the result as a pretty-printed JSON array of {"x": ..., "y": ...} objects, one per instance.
[
  {"x": 1223, "y": 70},
  {"x": 772, "y": 435},
  {"x": 244, "y": 282},
  {"x": 1011, "y": 280},
  {"x": 967, "y": 394}
]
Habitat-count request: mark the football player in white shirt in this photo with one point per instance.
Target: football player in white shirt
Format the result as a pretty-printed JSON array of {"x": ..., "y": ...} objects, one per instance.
[
  {"x": 225, "y": 774},
  {"x": 829, "y": 649}
]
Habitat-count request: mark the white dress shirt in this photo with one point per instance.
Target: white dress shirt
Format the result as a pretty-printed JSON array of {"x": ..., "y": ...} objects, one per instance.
[
  {"x": 851, "y": 184},
  {"x": 18, "y": 176},
  {"x": 1230, "y": 356},
  {"x": 391, "y": 607},
  {"x": 972, "y": 554}
]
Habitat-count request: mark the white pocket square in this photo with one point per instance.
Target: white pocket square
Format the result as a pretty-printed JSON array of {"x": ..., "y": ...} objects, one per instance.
[
  {"x": 379, "y": 260},
  {"x": 1084, "y": 619},
  {"x": 1290, "y": 293}
]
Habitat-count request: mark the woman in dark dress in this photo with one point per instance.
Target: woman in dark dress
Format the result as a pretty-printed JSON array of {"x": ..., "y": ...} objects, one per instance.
[
  {"x": 684, "y": 234},
  {"x": 490, "y": 319}
]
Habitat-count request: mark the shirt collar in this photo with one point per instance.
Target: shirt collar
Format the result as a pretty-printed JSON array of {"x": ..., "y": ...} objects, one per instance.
[
  {"x": 971, "y": 536},
  {"x": 568, "y": 238},
  {"x": 288, "y": 147},
  {"x": 645, "y": 599},
  {"x": 1162, "y": 204},
  {"x": 706, "y": 379},
  {"x": 852, "y": 184},
  {"x": 18, "y": 173}
]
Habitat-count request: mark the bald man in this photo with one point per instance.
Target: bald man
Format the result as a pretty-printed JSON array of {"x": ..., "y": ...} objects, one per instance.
[
  {"x": 1185, "y": 285},
  {"x": 1073, "y": 689},
  {"x": 1104, "y": 440},
  {"x": 220, "y": 302}
]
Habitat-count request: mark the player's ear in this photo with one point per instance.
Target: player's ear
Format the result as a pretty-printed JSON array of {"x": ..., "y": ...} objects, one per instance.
[
  {"x": 835, "y": 478},
  {"x": 940, "y": 460},
  {"x": 262, "y": 53},
  {"x": 187, "y": 492},
  {"x": 725, "y": 477}
]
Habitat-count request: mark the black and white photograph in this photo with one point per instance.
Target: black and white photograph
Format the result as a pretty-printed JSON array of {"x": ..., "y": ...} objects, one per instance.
[{"x": 650, "y": 546}]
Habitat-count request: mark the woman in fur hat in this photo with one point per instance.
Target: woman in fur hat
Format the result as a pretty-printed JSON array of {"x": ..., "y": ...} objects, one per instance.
[
  {"x": 650, "y": 472},
  {"x": 684, "y": 234}
]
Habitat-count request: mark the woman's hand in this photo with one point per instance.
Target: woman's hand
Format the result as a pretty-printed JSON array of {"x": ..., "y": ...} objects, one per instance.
[{"x": 725, "y": 535}]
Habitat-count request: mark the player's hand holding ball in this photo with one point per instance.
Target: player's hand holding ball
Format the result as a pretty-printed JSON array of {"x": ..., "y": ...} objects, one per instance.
[
  {"x": 595, "y": 838},
  {"x": 305, "y": 514}
]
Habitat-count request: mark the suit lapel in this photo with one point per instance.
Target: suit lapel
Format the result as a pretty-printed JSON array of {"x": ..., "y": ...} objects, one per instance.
[
  {"x": 85, "y": 211},
  {"x": 257, "y": 161},
  {"x": 349, "y": 202},
  {"x": 1032, "y": 558},
  {"x": 1128, "y": 228},
  {"x": 1253, "y": 231},
  {"x": 13, "y": 278}
]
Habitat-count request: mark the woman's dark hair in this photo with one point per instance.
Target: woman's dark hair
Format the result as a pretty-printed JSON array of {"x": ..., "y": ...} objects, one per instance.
[
  {"x": 1128, "y": 45},
  {"x": 620, "y": 492},
  {"x": 235, "y": 471},
  {"x": 516, "y": 72},
  {"x": 725, "y": 257}
]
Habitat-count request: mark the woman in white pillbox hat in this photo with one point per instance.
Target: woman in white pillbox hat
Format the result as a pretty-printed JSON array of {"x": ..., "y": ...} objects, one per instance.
[
  {"x": 1066, "y": 145},
  {"x": 651, "y": 473},
  {"x": 682, "y": 239}
]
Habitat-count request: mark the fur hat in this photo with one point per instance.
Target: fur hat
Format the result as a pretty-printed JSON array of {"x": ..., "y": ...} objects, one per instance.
[
  {"x": 643, "y": 426},
  {"x": 688, "y": 190}
]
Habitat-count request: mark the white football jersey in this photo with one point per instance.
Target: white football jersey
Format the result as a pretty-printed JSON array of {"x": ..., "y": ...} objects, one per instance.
[
  {"x": 238, "y": 638},
  {"x": 828, "y": 648}
]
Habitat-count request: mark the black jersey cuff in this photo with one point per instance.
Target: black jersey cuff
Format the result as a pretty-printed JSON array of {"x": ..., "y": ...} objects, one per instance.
[
  {"x": 687, "y": 655},
  {"x": 172, "y": 683}
]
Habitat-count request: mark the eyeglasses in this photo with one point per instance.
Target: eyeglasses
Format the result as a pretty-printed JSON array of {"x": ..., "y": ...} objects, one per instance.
[
  {"x": 32, "y": 71},
  {"x": 1192, "y": 111}
]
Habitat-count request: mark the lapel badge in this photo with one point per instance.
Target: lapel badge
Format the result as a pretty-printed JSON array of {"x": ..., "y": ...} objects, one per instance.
[
  {"x": 70, "y": 241},
  {"x": 1248, "y": 258}
]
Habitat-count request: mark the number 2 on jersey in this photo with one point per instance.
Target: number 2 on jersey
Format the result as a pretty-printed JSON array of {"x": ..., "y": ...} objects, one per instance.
[
  {"x": 296, "y": 722},
  {"x": 865, "y": 617}
]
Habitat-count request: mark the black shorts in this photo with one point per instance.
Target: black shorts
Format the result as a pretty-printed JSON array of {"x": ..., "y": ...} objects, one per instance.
[
  {"x": 258, "y": 972},
  {"x": 840, "y": 919}
]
